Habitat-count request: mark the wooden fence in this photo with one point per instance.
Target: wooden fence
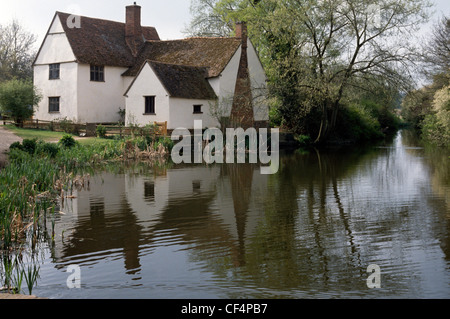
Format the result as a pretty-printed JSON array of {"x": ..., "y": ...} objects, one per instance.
[{"x": 90, "y": 129}]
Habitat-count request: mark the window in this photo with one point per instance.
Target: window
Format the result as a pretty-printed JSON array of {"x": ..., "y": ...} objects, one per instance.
[
  {"x": 149, "y": 192},
  {"x": 150, "y": 105},
  {"x": 198, "y": 109},
  {"x": 97, "y": 73},
  {"x": 54, "y": 71},
  {"x": 53, "y": 104}
]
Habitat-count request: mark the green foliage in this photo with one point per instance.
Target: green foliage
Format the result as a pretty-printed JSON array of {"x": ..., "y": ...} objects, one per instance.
[
  {"x": 101, "y": 131},
  {"x": 303, "y": 140},
  {"x": 357, "y": 124},
  {"x": 49, "y": 149},
  {"x": 167, "y": 142},
  {"x": 68, "y": 126},
  {"x": 67, "y": 141},
  {"x": 436, "y": 125},
  {"x": 275, "y": 118},
  {"x": 18, "y": 99},
  {"x": 312, "y": 55},
  {"x": 27, "y": 145}
]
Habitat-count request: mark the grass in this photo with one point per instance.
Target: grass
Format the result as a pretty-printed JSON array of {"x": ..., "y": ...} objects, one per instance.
[{"x": 47, "y": 136}]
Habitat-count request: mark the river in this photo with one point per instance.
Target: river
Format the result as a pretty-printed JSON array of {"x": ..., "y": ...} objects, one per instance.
[{"x": 226, "y": 231}]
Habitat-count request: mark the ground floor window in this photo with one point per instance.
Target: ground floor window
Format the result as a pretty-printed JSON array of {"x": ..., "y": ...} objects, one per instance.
[
  {"x": 150, "y": 105},
  {"x": 54, "y": 104}
]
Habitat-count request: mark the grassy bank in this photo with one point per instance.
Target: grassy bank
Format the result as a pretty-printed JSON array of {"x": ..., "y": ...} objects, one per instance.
[{"x": 39, "y": 178}]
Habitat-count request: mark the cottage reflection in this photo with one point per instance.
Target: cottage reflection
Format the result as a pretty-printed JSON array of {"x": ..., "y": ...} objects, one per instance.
[{"x": 128, "y": 211}]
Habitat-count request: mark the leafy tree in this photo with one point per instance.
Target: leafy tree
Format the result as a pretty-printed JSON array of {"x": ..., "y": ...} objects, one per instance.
[
  {"x": 18, "y": 99},
  {"x": 16, "y": 52},
  {"x": 315, "y": 51}
]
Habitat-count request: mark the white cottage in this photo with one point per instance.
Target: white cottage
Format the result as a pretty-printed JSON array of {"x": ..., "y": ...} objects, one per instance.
[{"x": 88, "y": 69}]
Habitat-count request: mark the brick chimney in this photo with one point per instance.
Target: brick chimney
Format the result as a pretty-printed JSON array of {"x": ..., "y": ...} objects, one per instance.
[
  {"x": 242, "y": 33},
  {"x": 133, "y": 29},
  {"x": 242, "y": 108}
]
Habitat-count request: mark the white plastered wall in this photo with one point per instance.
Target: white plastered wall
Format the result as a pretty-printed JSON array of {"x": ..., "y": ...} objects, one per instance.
[
  {"x": 258, "y": 81},
  {"x": 146, "y": 84},
  {"x": 182, "y": 114},
  {"x": 99, "y": 102},
  {"x": 56, "y": 49}
]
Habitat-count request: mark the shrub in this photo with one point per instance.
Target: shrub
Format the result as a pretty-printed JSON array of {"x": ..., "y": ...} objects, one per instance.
[
  {"x": 16, "y": 146},
  {"x": 29, "y": 146},
  {"x": 67, "y": 141},
  {"x": 357, "y": 124},
  {"x": 303, "y": 140},
  {"x": 49, "y": 149},
  {"x": 101, "y": 131},
  {"x": 18, "y": 99}
]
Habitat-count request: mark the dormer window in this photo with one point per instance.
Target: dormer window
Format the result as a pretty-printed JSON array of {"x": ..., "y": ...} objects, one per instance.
[
  {"x": 54, "y": 71},
  {"x": 97, "y": 73}
]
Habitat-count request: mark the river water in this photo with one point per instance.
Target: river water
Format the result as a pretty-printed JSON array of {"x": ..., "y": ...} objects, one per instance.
[{"x": 226, "y": 231}]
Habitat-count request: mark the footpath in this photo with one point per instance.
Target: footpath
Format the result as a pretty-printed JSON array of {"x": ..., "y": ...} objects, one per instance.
[{"x": 6, "y": 139}]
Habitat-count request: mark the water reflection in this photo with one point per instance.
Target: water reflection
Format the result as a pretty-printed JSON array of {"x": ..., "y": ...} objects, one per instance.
[{"x": 226, "y": 231}]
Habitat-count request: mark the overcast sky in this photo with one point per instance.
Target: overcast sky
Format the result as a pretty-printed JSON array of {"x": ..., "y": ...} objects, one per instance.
[{"x": 168, "y": 16}]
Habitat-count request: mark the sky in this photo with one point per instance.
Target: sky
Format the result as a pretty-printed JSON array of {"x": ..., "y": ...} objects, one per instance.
[{"x": 170, "y": 17}]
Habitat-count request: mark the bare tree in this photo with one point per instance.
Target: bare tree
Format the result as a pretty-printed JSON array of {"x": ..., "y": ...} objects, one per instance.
[
  {"x": 207, "y": 21},
  {"x": 436, "y": 51},
  {"x": 16, "y": 52}
]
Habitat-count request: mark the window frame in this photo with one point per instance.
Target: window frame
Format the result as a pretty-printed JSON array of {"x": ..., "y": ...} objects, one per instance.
[
  {"x": 148, "y": 108},
  {"x": 97, "y": 73},
  {"x": 50, "y": 104},
  {"x": 54, "y": 71}
]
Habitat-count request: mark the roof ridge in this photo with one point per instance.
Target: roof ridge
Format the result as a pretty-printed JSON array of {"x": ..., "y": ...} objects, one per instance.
[
  {"x": 177, "y": 64},
  {"x": 99, "y": 19},
  {"x": 194, "y": 38}
]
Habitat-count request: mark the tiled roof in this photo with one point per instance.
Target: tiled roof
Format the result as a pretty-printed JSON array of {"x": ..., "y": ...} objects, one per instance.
[
  {"x": 183, "y": 66},
  {"x": 183, "y": 81},
  {"x": 213, "y": 53},
  {"x": 101, "y": 42}
]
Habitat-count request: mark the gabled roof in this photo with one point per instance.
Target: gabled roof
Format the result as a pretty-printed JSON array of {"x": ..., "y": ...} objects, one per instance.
[
  {"x": 182, "y": 81},
  {"x": 101, "y": 42},
  {"x": 213, "y": 53}
]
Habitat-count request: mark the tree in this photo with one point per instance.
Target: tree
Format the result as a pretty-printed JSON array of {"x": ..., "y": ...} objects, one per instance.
[
  {"x": 16, "y": 52},
  {"x": 436, "y": 51},
  {"x": 18, "y": 99},
  {"x": 314, "y": 51},
  {"x": 206, "y": 21}
]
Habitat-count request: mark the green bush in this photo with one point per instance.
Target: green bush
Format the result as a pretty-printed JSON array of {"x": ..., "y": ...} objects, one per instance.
[
  {"x": 303, "y": 140},
  {"x": 101, "y": 131},
  {"x": 356, "y": 123},
  {"x": 18, "y": 99},
  {"x": 67, "y": 141},
  {"x": 49, "y": 149},
  {"x": 27, "y": 145},
  {"x": 16, "y": 146}
]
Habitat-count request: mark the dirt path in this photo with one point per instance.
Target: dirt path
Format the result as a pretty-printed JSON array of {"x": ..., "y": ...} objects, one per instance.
[{"x": 6, "y": 139}]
